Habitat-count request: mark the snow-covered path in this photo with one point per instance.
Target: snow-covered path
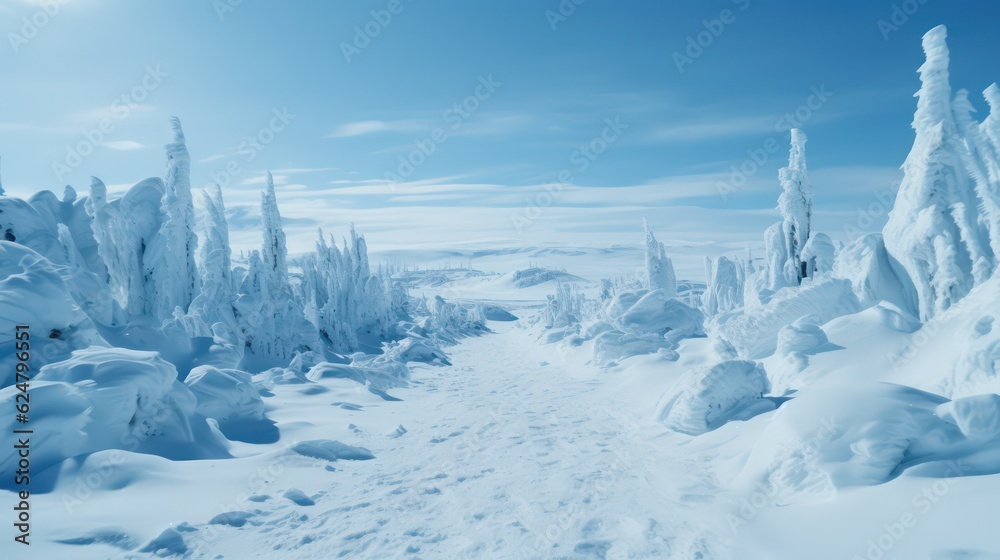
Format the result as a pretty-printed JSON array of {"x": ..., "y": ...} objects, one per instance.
[{"x": 505, "y": 456}]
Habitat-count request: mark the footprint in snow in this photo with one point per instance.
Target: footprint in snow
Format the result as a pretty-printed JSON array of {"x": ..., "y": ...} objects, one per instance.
[{"x": 299, "y": 497}]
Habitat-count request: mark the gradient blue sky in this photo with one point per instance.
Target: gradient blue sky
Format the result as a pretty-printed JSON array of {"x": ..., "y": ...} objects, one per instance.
[{"x": 353, "y": 120}]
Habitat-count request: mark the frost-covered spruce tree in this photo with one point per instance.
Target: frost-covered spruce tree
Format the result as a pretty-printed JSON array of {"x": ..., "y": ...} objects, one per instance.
[
  {"x": 724, "y": 291},
  {"x": 214, "y": 304},
  {"x": 123, "y": 229},
  {"x": 934, "y": 233},
  {"x": 659, "y": 268},
  {"x": 342, "y": 297},
  {"x": 170, "y": 260},
  {"x": 982, "y": 162},
  {"x": 272, "y": 323},
  {"x": 795, "y": 205}
]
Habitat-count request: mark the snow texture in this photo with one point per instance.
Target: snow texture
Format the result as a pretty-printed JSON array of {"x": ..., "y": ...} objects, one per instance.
[{"x": 712, "y": 396}]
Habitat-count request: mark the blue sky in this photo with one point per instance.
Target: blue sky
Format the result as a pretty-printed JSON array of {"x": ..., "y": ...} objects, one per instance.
[{"x": 225, "y": 68}]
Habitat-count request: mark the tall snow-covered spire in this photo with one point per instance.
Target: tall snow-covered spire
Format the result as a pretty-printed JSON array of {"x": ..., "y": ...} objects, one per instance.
[
  {"x": 934, "y": 97},
  {"x": 991, "y": 126},
  {"x": 218, "y": 290},
  {"x": 659, "y": 268},
  {"x": 795, "y": 204},
  {"x": 172, "y": 262},
  {"x": 273, "y": 253},
  {"x": 934, "y": 232}
]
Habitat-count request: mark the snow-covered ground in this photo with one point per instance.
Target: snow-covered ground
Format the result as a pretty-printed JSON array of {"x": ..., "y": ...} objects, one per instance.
[{"x": 514, "y": 451}]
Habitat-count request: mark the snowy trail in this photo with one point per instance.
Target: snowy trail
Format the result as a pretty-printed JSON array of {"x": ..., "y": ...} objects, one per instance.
[{"x": 505, "y": 457}]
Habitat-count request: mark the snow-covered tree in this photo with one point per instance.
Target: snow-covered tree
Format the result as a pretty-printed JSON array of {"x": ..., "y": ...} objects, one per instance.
[
  {"x": 272, "y": 323},
  {"x": 273, "y": 252},
  {"x": 934, "y": 231},
  {"x": 214, "y": 303},
  {"x": 659, "y": 268},
  {"x": 170, "y": 260},
  {"x": 346, "y": 302},
  {"x": 724, "y": 289},
  {"x": 123, "y": 230},
  {"x": 818, "y": 255},
  {"x": 795, "y": 205}
]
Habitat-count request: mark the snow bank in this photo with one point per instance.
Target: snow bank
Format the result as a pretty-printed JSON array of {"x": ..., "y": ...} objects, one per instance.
[
  {"x": 612, "y": 346},
  {"x": 112, "y": 398},
  {"x": 530, "y": 277},
  {"x": 831, "y": 438},
  {"x": 978, "y": 416},
  {"x": 711, "y": 396},
  {"x": 22, "y": 223},
  {"x": 225, "y": 395},
  {"x": 33, "y": 293},
  {"x": 658, "y": 312},
  {"x": 754, "y": 332},
  {"x": 330, "y": 450},
  {"x": 872, "y": 274}
]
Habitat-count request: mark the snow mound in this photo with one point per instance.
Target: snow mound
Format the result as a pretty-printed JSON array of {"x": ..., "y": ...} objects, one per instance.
[
  {"x": 230, "y": 398},
  {"x": 415, "y": 350},
  {"x": 168, "y": 543},
  {"x": 530, "y": 277},
  {"x": 612, "y": 346},
  {"x": 657, "y": 312},
  {"x": 837, "y": 437},
  {"x": 497, "y": 313},
  {"x": 330, "y": 450},
  {"x": 232, "y": 518},
  {"x": 802, "y": 336},
  {"x": 873, "y": 277},
  {"x": 754, "y": 333},
  {"x": 711, "y": 396},
  {"x": 298, "y": 497},
  {"x": 374, "y": 377},
  {"x": 33, "y": 293},
  {"x": 113, "y": 398},
  {"x": 225, "y": 394},
  {"x": 964, "y": 344},
  {"x": 20, "y": 222},
  {"x": 978, "y": 416}
]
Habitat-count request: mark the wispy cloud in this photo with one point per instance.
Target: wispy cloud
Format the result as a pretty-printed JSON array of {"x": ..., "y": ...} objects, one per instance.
[
  {"x": 722, "y": 127},
  {"x": 292, "y": 170},
  {"x": 262, "y": 179},
  {"x": 124, "y": 145},
  {"x": 360, "y": 128}
]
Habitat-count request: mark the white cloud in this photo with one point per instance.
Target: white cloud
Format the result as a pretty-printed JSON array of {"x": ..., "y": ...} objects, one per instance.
[
  {"x": 124, "y": 145},
  {"x": 360, "y": 128}
]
